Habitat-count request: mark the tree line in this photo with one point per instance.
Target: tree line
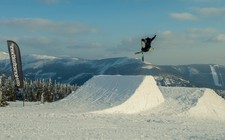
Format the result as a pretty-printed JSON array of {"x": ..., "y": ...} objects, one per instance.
[{"x": 34, "y": 90}]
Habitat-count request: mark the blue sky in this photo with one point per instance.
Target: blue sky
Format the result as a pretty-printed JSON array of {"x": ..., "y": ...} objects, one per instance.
[{"x": 188, "y": 31}]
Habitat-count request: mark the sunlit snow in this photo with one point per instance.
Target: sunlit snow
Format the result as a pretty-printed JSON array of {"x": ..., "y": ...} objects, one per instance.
[{"x": 119, "y": 107}]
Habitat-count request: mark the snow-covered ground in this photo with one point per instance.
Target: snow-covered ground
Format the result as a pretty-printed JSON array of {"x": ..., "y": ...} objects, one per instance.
[{"x": 119, "y": 107}]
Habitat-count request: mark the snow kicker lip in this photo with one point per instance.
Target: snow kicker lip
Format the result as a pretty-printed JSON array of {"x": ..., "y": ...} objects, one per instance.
[
  {"x": 146, "y": 96},
  {"x": 116, "y": 94}
]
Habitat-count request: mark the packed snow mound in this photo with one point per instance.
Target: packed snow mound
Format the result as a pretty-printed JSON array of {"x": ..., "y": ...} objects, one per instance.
[
  {"x": 146, "y": 96},
  {"x": 200, "y": 103},
  {"x": 116, "y": 94},
  {"x": 210, "y": 105}
]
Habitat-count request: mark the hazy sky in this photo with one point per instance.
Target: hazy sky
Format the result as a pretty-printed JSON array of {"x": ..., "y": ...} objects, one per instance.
[{"x": 188, "y": 31}]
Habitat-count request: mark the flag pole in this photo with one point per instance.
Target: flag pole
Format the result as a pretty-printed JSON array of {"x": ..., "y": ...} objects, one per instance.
[{"x": 16, "y": 64}]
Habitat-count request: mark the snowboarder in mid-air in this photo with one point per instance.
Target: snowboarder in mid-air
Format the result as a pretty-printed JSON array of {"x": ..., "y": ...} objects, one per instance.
[
  {"x": 148, "y": 42},
  {"x": 146, "y": 45}
]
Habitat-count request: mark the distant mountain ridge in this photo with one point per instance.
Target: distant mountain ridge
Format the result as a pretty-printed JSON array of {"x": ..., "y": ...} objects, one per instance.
[{"x": 76, "y": 70}]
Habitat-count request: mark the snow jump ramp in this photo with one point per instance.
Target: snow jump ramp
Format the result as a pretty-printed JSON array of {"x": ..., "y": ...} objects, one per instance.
[
  {"x": 140, "y": 94},
  {"x": 116, "y": 94}
]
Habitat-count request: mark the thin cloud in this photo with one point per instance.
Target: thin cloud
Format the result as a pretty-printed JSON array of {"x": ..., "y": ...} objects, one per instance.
[
  {"x": 42, "y": 35},
  {"x": 183, "y": 16},
  {"x": 202, "y": 0},
  {"x": 49, "y": 2},
  {"x": 199, "y": 31},
  {"x": 49, "y": 26},
  {"x": 211, "y": 11},
  {"x": 86, "y": 45},
  {"x": 193, "y": 37},
  {"x": 206, "y": 0},
  {"x": 128, "y": 44},
  {"x": 219, "y": 38}
]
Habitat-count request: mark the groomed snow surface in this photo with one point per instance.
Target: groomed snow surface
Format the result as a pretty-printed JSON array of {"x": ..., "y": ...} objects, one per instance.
[{"x": 120, "y": 107}]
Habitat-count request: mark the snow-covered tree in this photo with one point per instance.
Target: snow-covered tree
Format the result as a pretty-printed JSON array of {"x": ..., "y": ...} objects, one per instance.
[
  {"x": 2, "y": 95},
  {"x": 37, "y": 90},
  {"x": 9, "y": 87}
]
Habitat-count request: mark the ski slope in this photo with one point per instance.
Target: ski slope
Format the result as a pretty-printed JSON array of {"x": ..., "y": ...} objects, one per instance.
[
  {"x": 119, "y": 107},
  {"x": 217, "y": 78}
]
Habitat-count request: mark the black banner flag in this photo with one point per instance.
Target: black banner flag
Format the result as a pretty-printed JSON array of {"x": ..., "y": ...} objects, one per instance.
[{"x": 15, "y": 58}]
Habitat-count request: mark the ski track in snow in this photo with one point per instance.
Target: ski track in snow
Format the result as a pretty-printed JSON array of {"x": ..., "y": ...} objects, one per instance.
[
  {"x": 215, "y": 76},
  {"x": 100, "y": 110}
]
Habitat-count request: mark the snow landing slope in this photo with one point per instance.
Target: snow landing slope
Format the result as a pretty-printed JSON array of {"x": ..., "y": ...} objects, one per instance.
[
  {"x": 202, "y": 103},
  {"x": 116, "y": 94}
]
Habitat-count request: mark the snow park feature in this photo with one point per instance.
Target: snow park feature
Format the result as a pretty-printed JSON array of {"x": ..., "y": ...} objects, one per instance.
[
  {"x": 116, "y": 94},
  {"x": 119, "y": 107},
  {"x": 200, "y": 103},
  {"x": 138, "y": 94}
]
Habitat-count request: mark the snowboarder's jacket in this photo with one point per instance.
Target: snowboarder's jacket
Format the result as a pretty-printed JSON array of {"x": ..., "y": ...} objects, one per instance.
[{"x": 147, "y": 42}]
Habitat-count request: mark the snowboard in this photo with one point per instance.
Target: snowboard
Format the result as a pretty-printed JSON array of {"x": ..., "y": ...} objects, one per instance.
[{"x": 151, "y": 49}]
